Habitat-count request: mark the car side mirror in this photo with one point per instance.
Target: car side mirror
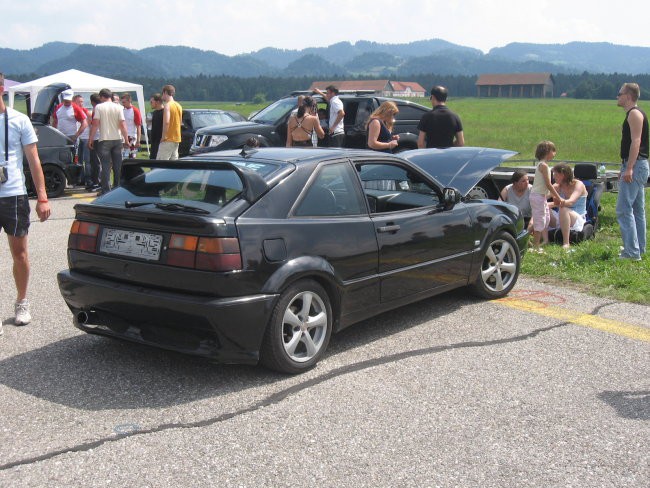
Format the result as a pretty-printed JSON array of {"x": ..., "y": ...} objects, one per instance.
[{"x": 451, "y": 197}]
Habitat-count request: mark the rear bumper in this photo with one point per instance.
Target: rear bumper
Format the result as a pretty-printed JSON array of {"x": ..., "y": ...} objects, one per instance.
[{"x": 226, "y": 330}]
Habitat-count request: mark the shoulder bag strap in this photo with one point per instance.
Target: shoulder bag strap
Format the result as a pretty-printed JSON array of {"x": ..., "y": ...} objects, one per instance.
[{"x": 6, "y": 135}]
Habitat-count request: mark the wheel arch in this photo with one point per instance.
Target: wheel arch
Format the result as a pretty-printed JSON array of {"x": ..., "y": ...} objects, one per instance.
[{"x": 308, "y": 267}]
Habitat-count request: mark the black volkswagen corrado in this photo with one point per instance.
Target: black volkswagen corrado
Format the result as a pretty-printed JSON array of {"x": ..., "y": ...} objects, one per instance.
[{"x": 259, "y": 256}]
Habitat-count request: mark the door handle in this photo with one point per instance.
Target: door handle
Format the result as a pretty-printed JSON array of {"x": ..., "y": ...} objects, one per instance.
[{"x": 388, "y": 228}]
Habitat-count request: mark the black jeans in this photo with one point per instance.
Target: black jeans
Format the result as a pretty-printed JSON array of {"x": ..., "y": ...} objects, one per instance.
[{"x": 336, "y": 140}]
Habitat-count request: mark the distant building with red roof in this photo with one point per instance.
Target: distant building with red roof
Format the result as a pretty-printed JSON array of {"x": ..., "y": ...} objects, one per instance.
[
  {"x": 516, "y": 85},
  {"x": 384, "y": 88}
]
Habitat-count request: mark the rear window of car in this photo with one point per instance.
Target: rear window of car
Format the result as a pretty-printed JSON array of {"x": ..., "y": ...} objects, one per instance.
[
  {"x": 205, "y": 188},
  {"x": 409, "y": 112}
]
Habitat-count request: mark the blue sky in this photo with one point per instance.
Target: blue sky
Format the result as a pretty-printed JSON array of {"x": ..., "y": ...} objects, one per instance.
[{"x": 234, "y": 27}]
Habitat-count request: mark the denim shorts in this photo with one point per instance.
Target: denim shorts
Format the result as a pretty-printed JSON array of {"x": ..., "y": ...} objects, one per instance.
[{"x": 14, "y": 215}]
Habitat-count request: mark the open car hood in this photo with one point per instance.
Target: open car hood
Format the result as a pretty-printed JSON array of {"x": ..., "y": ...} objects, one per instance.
[{"x": 458, "y": 167}]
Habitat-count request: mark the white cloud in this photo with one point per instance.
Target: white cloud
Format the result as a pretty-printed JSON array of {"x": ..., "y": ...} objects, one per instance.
[{"x": 232, "y": 27}]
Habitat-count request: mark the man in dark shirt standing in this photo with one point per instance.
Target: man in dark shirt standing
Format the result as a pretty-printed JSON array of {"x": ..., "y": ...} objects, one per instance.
[
  {"x": 441, "y": 127},
  {"x": 156, "y": 102},
  {"x": 635, "y": 148}
]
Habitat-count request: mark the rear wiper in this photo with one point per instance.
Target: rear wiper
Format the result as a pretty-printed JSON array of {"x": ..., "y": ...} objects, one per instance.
[
  {"x": 129, "y": 204},
  {"x": 179, "y": 207},
  {"x": 172, "y": 207}
]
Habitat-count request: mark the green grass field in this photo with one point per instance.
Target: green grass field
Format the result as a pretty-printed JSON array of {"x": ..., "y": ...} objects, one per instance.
[{"x": 582, "y": 130}]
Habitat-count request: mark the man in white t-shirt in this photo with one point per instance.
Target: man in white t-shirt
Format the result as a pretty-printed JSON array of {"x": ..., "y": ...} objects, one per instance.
[
  {"x": 336, "y": 136},
  {"x": 109, "y": 121},
  {"x": 17, "y": 138},
  {"x": 68, "y": 117},
  {"x": 133, "y": 120}
]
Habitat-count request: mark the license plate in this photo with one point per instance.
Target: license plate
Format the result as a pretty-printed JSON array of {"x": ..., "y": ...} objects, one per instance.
[{"x": 132, "y": 244}]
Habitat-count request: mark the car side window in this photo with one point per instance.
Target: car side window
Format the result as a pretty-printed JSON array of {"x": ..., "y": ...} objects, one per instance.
[
  {"x": 332, "y": 192},
  {"x": 392, "y": 188},
  {"x": 350, "y": 109},
  {"x": 364, "y": 110},
  {"x": 409, "y": 112}
]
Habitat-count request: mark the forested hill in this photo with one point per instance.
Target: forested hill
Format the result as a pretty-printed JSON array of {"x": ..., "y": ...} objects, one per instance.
[{"x": 363, "y": 58}]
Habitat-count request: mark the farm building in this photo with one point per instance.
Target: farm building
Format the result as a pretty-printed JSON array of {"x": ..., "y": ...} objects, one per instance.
[
  {"x": 516, "y": 85},
  {"x": 384, "y": 88}
]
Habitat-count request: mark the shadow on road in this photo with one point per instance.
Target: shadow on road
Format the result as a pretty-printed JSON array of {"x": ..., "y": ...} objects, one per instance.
[
  {"x": 95, "y": 373},
  {"x": 633, "y": 405}
]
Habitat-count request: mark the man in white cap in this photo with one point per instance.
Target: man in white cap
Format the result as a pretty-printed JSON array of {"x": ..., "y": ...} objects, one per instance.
[{"x": 68, "y": 117}]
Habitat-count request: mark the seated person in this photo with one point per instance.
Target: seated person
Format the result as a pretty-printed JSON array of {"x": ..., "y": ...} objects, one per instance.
[
  {"x": 517, "y": 193},
  {"x": 571, "y": 213}
]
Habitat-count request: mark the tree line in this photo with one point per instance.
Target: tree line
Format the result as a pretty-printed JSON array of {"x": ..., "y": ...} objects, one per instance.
[
  {"x": 229, "y": 88},
  {"x": 237, "y": 89}
]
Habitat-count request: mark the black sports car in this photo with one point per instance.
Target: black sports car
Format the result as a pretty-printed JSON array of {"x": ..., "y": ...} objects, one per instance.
[{"x": 261, "y": 255}]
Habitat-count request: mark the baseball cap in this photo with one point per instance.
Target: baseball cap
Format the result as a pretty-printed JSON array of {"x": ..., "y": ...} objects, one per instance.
[{"x": 67, "y": 94}]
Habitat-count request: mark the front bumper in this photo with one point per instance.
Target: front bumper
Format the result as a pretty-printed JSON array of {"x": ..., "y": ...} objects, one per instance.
[{"x": 225, "y": 330}]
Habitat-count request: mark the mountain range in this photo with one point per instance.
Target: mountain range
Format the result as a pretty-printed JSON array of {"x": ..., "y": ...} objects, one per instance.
[{"x": 362, "y": 58}]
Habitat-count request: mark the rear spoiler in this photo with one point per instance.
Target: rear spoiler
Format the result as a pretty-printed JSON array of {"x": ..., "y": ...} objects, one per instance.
[{"x": 254, "y": 184}]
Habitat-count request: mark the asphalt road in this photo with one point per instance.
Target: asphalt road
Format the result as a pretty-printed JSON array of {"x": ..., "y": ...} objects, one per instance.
[{"x": 550, "y": 387}]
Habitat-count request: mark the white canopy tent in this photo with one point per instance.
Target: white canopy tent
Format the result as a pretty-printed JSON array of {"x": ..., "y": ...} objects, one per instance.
[{"x": 80, "y": 81}]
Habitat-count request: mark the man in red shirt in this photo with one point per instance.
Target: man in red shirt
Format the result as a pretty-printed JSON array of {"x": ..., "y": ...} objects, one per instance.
[
  {"x": 69, "y": 117},
  {"x": 133, "y": 120}
]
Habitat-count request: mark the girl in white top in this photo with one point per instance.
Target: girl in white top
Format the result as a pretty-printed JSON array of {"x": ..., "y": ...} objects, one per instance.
[{"x": 542, "y": 186}]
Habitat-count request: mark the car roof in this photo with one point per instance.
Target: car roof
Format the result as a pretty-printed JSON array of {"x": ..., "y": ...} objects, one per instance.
[
  {"x": 202, "y": 110},
  {"x": 286, "y": 154}
]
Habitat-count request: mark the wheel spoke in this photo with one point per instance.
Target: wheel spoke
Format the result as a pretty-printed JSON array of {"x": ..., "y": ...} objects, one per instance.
[
  {"x": 490, "y": 255},
  {"x": 486, "y": 273},
  {"x": 290, "y": 346},
  {"x": 498, "y": 286},
  {"x": 291, "y": 318},
  {"x": 317, "y": 321},
  {"x": 309, "y": 344},
  {"x": 509, "y": 267},
  {"x": 505, "y": 248},
  {"x": 306, "y": 305}
]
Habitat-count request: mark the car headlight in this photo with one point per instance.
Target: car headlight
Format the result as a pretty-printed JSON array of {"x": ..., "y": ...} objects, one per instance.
[{"x": 217, "y": 140}]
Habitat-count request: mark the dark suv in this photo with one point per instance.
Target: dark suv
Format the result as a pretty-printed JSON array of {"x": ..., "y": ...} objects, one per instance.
[
  {"x": 195, "y": 119},
  {"x": 269, "y": 125}
]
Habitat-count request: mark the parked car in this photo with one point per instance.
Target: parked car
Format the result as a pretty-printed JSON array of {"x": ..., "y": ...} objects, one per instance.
[
  {"x": 261, "y": 255},
  {"x": 269, "y": 125},
  {"x": 55, "y": 150},
  {"x": 197, "y": 118}
]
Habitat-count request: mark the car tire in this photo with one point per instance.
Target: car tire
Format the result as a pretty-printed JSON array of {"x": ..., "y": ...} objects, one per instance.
[
  {"x": 299, "y": 329},
  {"x": 499, "y": 268},
  {"x": 55, "y": 181},
  {"x": 483, "y": 190}
]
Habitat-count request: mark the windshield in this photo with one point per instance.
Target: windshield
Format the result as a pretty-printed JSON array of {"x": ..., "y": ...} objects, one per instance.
[
  {"x": 276, "y": 111},
  {"x": 203, "y": 119}
]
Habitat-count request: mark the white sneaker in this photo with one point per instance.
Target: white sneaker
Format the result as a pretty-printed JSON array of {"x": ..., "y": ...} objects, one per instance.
[{"x": 23, "y": 317}]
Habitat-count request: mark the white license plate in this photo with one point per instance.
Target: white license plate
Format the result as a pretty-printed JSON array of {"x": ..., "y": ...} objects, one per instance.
[{"x": 133, "y": 244}]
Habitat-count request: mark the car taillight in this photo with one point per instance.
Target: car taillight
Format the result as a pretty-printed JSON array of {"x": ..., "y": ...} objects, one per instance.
[
  {"x": 205, "y": 253},
  {"x": 83, "y": 236}
]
